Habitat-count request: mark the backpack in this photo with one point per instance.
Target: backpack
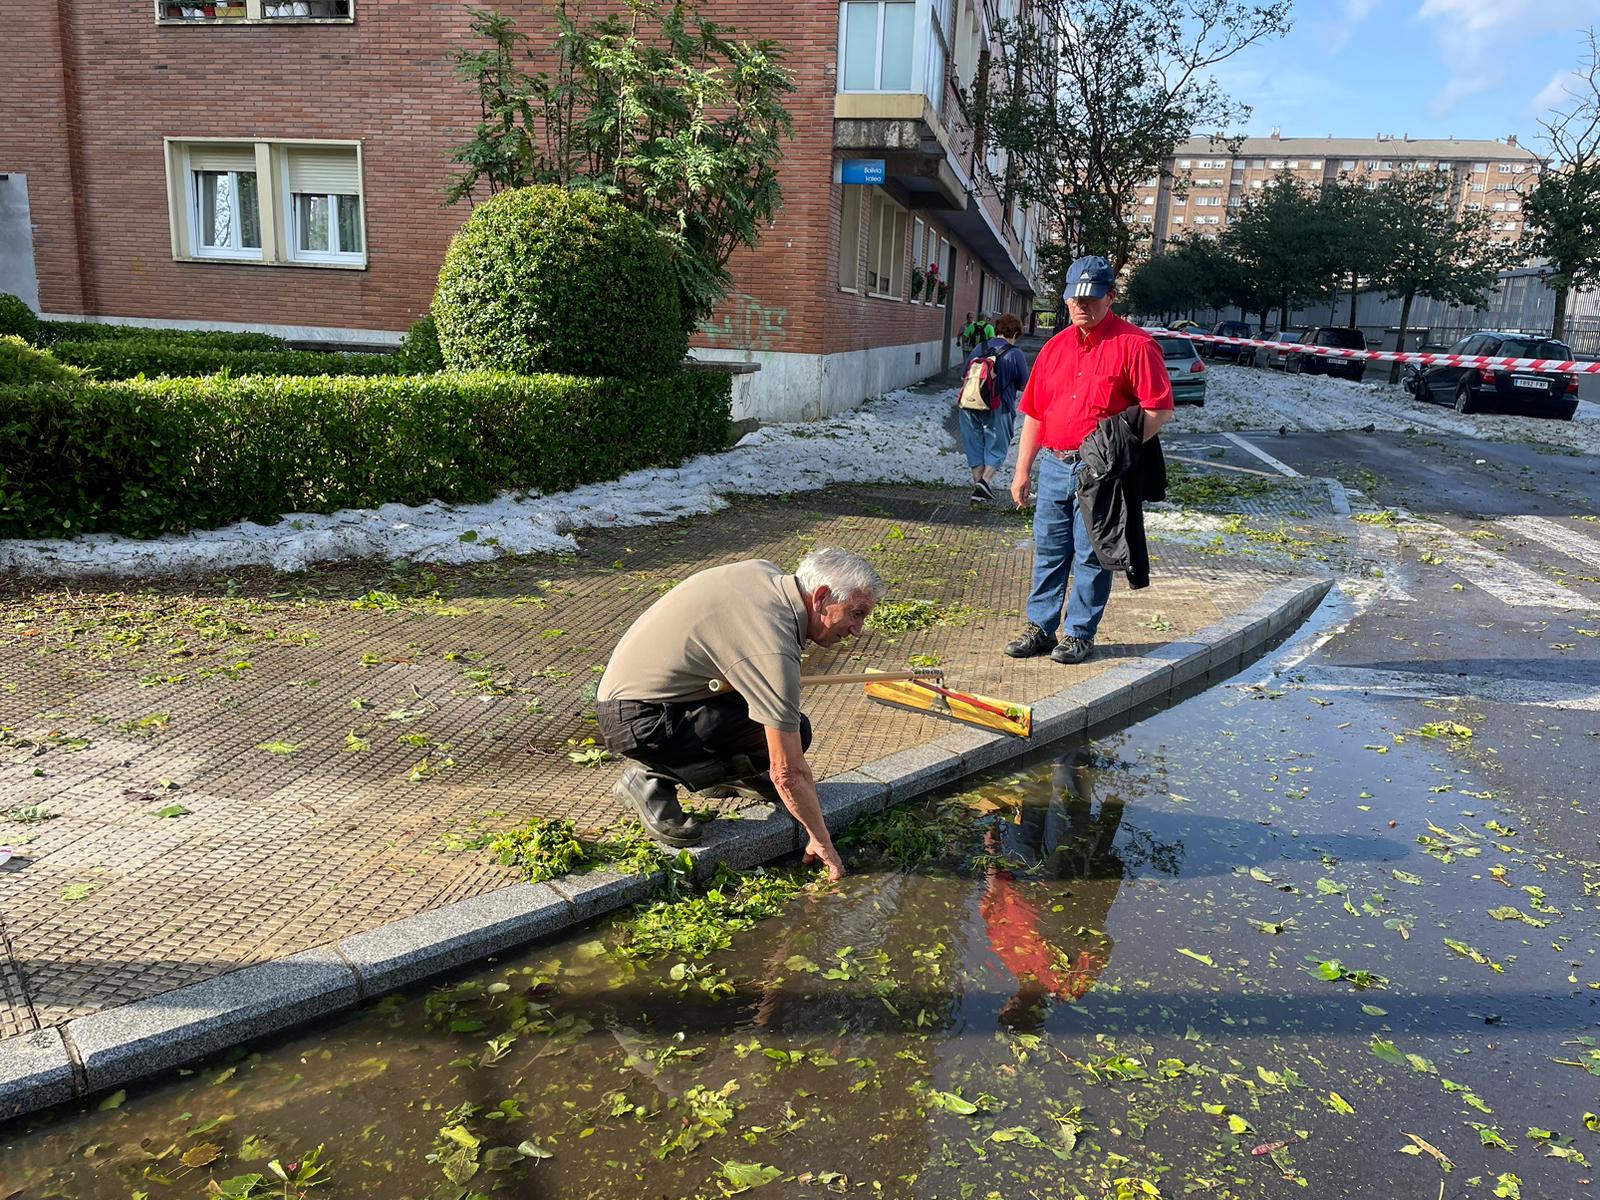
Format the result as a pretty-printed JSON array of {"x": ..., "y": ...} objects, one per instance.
[{"x": 980, "y": 390}]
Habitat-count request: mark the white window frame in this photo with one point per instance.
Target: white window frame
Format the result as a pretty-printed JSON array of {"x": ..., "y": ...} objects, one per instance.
[
  {"x": 291, "y": 212},
  {"x": 890, "y": 248},
  {"x": 877, "y": 61},
  {"x": 192, "y": 200},
  {"x": 275, "y": 207}
]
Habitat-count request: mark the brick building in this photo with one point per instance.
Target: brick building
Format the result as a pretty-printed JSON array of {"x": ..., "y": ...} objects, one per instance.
[
  {"x": 1205, "y": 183},
  {"x": 280, "y": 166}
]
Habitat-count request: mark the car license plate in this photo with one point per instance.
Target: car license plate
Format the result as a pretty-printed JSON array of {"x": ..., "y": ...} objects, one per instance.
[{"x": 1538, "y": 385}]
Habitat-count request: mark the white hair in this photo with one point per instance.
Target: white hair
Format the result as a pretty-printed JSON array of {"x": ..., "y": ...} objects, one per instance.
[{"x": 843, "y": 572}]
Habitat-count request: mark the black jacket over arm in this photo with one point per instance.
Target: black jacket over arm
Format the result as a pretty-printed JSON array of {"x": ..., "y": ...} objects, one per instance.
[{"x": 1120, "y": 472}]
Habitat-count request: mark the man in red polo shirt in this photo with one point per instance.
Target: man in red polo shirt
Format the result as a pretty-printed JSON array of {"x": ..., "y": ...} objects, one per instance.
[{"x": 1098, "y": 367}]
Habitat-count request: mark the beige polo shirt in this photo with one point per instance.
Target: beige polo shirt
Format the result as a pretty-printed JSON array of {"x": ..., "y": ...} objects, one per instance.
[{"x": 744, "y": 622}]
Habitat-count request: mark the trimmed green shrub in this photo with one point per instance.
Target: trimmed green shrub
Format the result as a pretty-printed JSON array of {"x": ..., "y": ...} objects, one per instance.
[
  {"x": 20, "y": 363},
  {"x": 419, "y": 349},
  {"x": 17, "y": 318},
  {"x": 53, "y": 333},
  {"x": 144, "y": 457},
  {"x": 157, "y": 355},
  {"x": 543, "y": 279}
]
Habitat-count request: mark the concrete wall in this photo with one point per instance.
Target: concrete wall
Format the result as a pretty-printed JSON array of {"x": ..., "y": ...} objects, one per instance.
[{"x": 810, "y": 387}]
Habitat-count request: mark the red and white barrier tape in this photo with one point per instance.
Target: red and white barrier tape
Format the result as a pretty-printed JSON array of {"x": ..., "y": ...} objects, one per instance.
[{"x": 1560, "y": 367}]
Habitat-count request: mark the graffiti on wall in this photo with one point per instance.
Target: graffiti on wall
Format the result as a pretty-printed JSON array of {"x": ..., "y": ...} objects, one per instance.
[{"x": 743, "y": 323}]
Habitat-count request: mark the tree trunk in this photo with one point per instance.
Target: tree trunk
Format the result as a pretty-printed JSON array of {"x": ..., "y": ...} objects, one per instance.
[
  {"x": 1558, "y": 328},
  {"x": 1352, "y": 321},
  {"x": 1400, "y": 338}
]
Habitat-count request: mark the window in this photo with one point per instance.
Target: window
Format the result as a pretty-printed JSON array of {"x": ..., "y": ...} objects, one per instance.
[
  {"x": 1477, "y": 187},
  {"x": 1294, "y": 164},
  {"x": 224, "y": 202},
  {"x": 1372, "y": 164},
  {"x": 1146, "y": 219},
  {"x": 850, "y": 236},
  {"x": 1208, "y": 201},
  {"x": 1481, "y": 167},
  {"x": 1508, "y": 168},
  {"x": 1236, "y": 202},
  {"x": 1386, "y": 165},
  {"x": 886, "y": 247},
  {"x": 1178, "y": 220},
  {"x": 1315, "y": 164},
  {"x": 231, "y": 12},
  {"x": 918, "y": 262},
  {"x": 938, "y": 54},
  {"x": 1276, "y": 164},
  {"x": 1185, "y": 163},
  {"x": 1148, "y": 200},
  {"x": 324, "y": 205},
  {"x": 1257, "y": 164},
  {"x": 876, "y": 47},
  {"x": 267, "y": 201},
  {"x": 1348, "y": 164}
]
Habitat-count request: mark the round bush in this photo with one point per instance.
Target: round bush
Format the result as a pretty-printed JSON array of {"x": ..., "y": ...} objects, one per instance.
[
  {"x": 16, "y": 317},
  {"x": 541, "y": 279}
]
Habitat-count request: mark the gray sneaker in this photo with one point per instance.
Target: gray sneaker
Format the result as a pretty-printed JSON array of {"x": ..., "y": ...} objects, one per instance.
[
  {"x": 1073, "y": 650},
  {"x": 1032, "y": 642}
]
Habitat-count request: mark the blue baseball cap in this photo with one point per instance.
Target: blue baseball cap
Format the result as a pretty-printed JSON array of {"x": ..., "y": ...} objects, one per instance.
[{"x": 1090, "y": 277}]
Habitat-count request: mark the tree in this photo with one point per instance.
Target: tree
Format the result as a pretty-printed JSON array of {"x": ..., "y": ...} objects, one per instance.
[
  {"x": 655, "y": 107},
  {"x": 1431, "y": 251},
  {"x": 1563, "y": 209},
  {"x": 1087, "y": 100},
  {"x": 1193, "y": 273},
  {"x": 1284, "y": 249},
  {"x": 1357, "y": 238}
]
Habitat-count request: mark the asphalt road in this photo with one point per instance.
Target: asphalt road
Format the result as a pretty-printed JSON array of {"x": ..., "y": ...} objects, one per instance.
[{"x": 1495, "y": 598}]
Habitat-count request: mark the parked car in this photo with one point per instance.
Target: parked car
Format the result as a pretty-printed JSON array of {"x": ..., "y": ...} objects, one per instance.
[
  {"x": 1478, "y": 389},
  {"x": 1185, "y": 324},
  {"x": 1338, "y": 337},
  {"x": 1276, "y": 357},
  {"x": 1221, "y": 350},
  {"x": 1184, "y": 369}
]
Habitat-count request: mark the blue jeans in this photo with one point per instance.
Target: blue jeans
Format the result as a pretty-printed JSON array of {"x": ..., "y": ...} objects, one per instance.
[
  {"x": 1061, "y": 546},
  {"x": 986, "y": 436}
]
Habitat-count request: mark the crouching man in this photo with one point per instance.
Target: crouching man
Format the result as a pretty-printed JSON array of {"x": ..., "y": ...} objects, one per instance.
[{"x": 745, "y": 623}]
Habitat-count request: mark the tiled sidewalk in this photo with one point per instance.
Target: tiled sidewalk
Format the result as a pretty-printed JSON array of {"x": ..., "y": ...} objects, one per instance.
[{"x": 323, "y": 733}]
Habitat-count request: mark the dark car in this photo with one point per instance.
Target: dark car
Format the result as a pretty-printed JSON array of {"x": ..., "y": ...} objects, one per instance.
[
  {"x": 1340, "y": 339},
  {"x": 1221, "y": 350},
  {"x": 1479, "y": 389}
]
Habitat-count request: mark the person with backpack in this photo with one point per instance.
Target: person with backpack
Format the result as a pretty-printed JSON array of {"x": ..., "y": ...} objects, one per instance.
[
  {"x": 996, "y": 374},
  {"x": 969, "y": 335}
]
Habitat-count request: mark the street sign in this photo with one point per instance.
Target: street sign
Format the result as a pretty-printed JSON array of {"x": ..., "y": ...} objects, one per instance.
[{"x": 861, "y": 170}]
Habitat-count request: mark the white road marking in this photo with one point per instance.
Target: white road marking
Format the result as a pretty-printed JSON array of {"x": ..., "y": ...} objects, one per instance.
[
  {"x": 1250, "y": 447},
  {"x": 1544, "y": 693},
  {"x": 1506, "y": 580},
  {"x": 1557, "y": 536}
]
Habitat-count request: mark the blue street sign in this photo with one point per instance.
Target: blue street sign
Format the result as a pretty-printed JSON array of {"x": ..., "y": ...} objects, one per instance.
[{"x": 861, "y": 170}]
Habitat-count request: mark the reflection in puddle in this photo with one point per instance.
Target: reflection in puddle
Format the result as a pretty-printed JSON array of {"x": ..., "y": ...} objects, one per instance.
[{"x": 1105, "y": 976}]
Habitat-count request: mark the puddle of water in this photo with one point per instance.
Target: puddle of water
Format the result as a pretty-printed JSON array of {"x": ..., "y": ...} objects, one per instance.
[{"x": 1209, "y": 954}]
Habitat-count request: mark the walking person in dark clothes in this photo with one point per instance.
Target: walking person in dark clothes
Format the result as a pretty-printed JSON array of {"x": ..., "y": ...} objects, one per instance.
[
  {"x": 745, "y": 623},
  {"x": 986, "y": 436}
]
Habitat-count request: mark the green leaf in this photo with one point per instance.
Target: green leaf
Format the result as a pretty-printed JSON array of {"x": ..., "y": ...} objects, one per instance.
[
  {"x": 1203, "y": 959},
  {"x": 277, "y": 746},
  {"x": 742, "y": 1177},
  {"x": 951, "y": 1102},
  {"x": 1508, "y": 1187},
  {"x": 1339, "y": 1104},
  {"x": 1406, "y": 877},
  {"x": 1372, "y": 1010},
  {"x": 171, "y": 810},
  {"x": 114, "y": 1100},
  {"x": 78, "y": 891},
  {"x": 1388, "y": 1051},
  {"x": 533, "y": 1150}
]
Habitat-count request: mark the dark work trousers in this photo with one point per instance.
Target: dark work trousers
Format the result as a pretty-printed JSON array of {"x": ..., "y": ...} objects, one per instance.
[{"x": 674, "y": 734}]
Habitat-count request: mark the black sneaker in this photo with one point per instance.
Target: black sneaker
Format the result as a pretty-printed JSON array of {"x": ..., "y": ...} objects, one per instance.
[
  {"x": 1034, "y": 641},
  {"x": 1073, "y": 650},
  {"x": 988, "y": 489},
  {"x": 980, "y": 494}
]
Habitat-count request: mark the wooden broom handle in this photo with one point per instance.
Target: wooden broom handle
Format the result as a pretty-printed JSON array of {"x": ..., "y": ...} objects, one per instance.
[{"x": 722, "y": 685}]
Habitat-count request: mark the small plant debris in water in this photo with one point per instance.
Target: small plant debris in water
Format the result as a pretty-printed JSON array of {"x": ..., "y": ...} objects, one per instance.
[
  {"x": 907, "y": 837},
  {"x": 545, "y": 848},
  {"x": 697, "y": 925}
]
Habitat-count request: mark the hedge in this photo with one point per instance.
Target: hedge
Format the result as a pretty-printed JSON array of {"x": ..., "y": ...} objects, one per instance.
[
  {"x": 545, "y": 279},
  {"x": 146, "y": 457},
  {"x": 52, "y": 333},
  {"x": 17, "y": 318},
  {"x": 21, "y": 363},
  {"x": 157, "y": 354}
]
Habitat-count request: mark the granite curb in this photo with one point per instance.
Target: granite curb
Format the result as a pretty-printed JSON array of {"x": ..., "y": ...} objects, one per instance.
[{"x": 106, "y": 1049}]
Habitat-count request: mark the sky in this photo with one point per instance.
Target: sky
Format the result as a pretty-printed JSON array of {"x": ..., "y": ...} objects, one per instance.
[{"x": 1428, "y": 68}]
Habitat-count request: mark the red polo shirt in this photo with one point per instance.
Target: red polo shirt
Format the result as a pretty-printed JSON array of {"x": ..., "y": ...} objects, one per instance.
[{"x": 1078, "y": 381}]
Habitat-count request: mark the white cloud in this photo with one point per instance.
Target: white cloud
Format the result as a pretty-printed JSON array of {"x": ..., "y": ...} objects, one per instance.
[
  {"x": 1562, "y": 87},
  {"x": 1337, "y": 34},
  {"x": 1474, "y": 36}
]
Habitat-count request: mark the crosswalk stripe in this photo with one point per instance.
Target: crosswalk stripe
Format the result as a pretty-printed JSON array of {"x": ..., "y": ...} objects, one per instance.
[
  {"x": 1503, "y": 578},
  {"x": 1557, "y": 536}
]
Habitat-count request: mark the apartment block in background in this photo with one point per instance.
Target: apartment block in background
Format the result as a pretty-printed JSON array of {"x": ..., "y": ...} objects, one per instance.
[
  {"x": 1205, "y": 184},
  {"x": 281, "y": 166}
]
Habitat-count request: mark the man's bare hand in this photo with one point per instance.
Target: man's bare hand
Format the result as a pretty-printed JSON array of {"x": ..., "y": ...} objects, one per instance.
[
  {"x": 827, "y": 856},
  {"x": 1020, "y": 490}
]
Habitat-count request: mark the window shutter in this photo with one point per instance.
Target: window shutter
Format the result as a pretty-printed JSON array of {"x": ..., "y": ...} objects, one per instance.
[
  {"x": 319, "y": 171},
  {"x": 208, "y": 156}
]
